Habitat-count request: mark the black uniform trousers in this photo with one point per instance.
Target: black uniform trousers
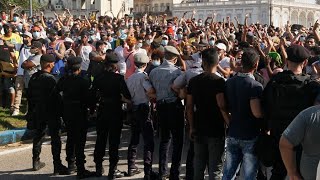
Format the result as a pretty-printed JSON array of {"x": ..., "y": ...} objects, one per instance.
[
  {"x": 171, "y": 119},
  {"x": 54, "y": 125},
  {"x": 109, "y": 126},
  {"x": 141, "y": 123},
  {"x": 75, "y": 117}
]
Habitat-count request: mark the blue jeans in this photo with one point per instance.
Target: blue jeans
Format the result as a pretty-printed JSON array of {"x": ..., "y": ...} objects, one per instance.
[
  {"x": 208, "y": 151},
  {"x": 240, "y": 151}
]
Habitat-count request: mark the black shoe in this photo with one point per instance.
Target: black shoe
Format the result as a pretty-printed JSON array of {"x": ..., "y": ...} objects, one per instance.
[
  {"x": 60, "y": 169},
  {"x": 134, "y": 171},
  {"x": 85, "y": 174},
  {"x": 72, "y": 168},
  {"x": 115, "y": 174},
  {"x": 36, "y": 165},
  {"x": 174, "y": 177},
  {"x": 99, "y": 170},
  {"x": 163, "y": 177}
]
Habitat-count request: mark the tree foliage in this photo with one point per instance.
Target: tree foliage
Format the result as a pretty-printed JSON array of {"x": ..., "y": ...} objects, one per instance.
[{"x": 22, "y": 4}]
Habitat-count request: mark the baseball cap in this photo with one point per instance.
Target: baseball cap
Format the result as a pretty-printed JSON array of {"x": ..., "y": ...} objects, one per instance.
[
  {"x": 221, "y": 46},
  {"x": 27, "y": 34}
]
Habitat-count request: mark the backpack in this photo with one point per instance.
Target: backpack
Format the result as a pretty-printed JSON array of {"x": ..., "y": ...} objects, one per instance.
[{"x": 285, "y": 96}]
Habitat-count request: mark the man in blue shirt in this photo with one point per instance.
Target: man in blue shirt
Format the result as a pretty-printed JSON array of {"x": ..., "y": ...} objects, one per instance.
[{"x": 243, "y": 96}]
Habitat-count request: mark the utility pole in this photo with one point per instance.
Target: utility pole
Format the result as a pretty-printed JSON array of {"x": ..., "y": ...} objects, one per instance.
[{"x": 30, "y": 2}]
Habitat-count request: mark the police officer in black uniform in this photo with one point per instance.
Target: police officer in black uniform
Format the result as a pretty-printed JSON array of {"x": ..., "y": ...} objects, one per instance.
[
  {"x": 285, "y": 96},
  {"x": 75, "y": 97},
  {"x": 44, "y": 100},
  {"x": 113, "y": 91}
]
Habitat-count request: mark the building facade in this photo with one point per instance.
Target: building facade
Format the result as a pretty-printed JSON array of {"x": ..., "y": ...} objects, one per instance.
[
  {"x": 85, "y": 7},
  {"x": 277, "y": 12},
  {"x": 154, "y": 7}
]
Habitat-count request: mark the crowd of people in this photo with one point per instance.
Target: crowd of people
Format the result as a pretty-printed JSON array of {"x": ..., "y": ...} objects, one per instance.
[{"x": 246, "y": 94}]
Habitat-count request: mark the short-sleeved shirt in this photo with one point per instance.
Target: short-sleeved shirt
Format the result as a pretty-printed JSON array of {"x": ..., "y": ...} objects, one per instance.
[
  {"x": 162, "y": 79},
  {"x": 305, "y": 130},
  {"x": 208, "y": 120},
  {"x": 121, "y": 63},
  {"x": 225, "y": 62},
  {"x": 239, "y": 91},
  {"x": 84, "y": 54},
  {"x": 14, "y": 39},
  {"x": 35, "y": 59},
  {"x": 138, "y": 83},
  {"x": 129, "y": 60},
  {"x": 183, "y": 80},
  {"x": 23, "y": 56}
]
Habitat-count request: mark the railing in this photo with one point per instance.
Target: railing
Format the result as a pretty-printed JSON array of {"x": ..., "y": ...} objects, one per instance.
[
  {"x": 221, "y": 3},
  {"x": 192, "y": 3}
]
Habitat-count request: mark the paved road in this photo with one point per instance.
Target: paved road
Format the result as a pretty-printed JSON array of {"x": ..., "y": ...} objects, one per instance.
[{"x": 17, "y": 165}]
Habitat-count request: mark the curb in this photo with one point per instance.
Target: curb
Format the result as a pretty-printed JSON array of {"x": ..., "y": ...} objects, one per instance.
[{"x": 13, "y": 136}]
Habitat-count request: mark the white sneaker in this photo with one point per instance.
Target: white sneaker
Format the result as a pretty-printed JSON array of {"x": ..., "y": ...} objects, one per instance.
[{"x": 15, "y": 112}]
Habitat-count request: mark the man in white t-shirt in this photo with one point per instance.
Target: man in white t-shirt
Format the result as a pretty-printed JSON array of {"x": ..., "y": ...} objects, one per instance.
[
  {"x": 119, "y": 52},
  {"x": 83, "y": 51},
  {"x": 224, "y": 63},
  {"x": 24, "y": 50}
]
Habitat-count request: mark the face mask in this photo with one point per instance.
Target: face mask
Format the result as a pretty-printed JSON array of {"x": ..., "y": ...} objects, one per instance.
[
  {"x": 139, "y": 45},
  {"x": 211, "y": 42},
  {"x": 148, "y": 41},
  {"x": 33, "y": 51},
  {"x": 92, "y": 38},
  {"x": 19, "y": 27},
  {"x": 164, "y": 42},
  {"x": 200, "y": 24},
  {"x": 15, "y": 19},
  {"x": 156, "y": 63},
  {"x": 71, "y": 23},
  {"x": 36, "y": 35},
  {"x": 93, "y": 29},
  {"x": 4, "y": 17},
  {"x": 180, "y": 36}
]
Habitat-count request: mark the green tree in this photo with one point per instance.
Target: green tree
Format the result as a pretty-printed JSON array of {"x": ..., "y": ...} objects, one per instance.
[{"x": 22, "y": 4}]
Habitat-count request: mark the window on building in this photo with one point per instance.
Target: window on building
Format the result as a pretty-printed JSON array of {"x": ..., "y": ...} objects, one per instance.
[
  {"x": 74, "y": 4},
  {"x": 156, "y": 7},
  {"x": 167, "y": 6},
  {"x": 145, "y": 8},
  {"x": 162, "y": 7}
]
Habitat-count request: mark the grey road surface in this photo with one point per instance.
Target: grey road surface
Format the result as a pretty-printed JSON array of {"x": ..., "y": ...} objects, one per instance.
[{"x": 16, "y": 162}]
